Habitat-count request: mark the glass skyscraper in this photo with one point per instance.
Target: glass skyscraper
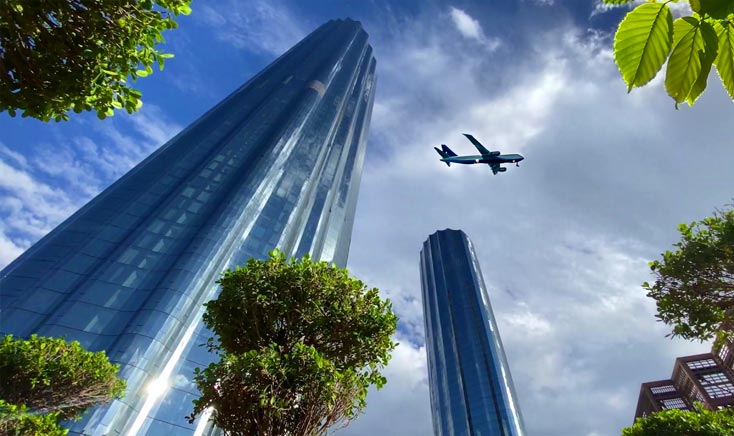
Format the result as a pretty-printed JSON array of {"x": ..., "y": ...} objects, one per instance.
[
  {"x": 276, "y": 164},
  {"x": 469, "y": 379}
]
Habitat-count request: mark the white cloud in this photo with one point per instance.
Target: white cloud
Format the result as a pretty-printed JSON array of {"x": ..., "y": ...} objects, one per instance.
[
  {"x": 528, "y": 322},
  {"x": 678, "y": 9},
  {"x": 262, "y": 26},
  {"x": 13, "y": 156},
  {"x": 30, "y": 207},
  {"x": 9, "y": 249},
  {"x": 565, "y": 239},
  {"x": 471, "y": 29},
  {"x": 402, "y": 407},
  {"x": 600, "y": 7},
  {"x": 468, "y": 26}
]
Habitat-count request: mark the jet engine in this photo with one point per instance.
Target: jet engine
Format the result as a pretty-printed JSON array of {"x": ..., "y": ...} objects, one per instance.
[{"x": 502, "y": 169}]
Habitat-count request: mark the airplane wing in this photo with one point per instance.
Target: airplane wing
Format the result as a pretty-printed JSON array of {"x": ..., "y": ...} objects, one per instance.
[{"x": 477, "y": 144}]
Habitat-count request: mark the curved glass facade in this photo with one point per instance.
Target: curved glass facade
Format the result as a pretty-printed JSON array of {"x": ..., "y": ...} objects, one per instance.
[
  {"x": 469, "y": 379},
  {"x": 276, "y": 164}
]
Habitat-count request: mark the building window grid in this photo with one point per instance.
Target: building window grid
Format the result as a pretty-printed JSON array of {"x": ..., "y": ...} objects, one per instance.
[
  {"x": 713, "y": 378},
  {"x": 724, "y": 352},
  {"x": 674, "y": 403},
  {"x": 701, "y": 364},
  {"x": 720, "y": 391},
  {"x": 688, "y": 387},
  {"x": 662, "y": 389}
]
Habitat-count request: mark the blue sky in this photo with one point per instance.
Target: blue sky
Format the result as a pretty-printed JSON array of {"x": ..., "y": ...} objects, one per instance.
[{"x": 564, "y": 240}]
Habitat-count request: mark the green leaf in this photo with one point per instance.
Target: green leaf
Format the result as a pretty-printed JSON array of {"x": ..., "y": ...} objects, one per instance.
[
  {"x": 707, "y": 59},
  {"x": 718, "y": 9},
  {"x": 692, "y": 55},
  {"x": 142, "y": 73},
  {"x": 725, "y": 58},
  {"x": 642, "y": 43}
]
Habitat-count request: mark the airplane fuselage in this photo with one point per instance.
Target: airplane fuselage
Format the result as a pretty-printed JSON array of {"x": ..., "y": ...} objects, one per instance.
[{"x": 484, "y": 159}]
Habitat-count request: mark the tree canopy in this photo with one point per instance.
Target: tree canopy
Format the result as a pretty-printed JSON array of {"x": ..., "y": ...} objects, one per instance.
[
  {"x": 648, "y": 36},
  {"x": 676, "y": 422},
  {"x": 50, "y": 375},
  {"x": 18, "y": 421},
  {"x": 694, "y": 286},
  {"x": 299, "y": 343},
  {"x": 61, "y": 55}
]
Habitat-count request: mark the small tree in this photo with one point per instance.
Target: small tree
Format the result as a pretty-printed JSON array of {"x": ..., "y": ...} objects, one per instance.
[
  {"x": 61, "y": 55},
  {"x": 692, "y": 45},
  {"x": 48, "y": 375},
  {"x": 676, "y": 422},
  {"x": 300, "y": 342},
  {"x": 694, "y": 286},
  {"x": 18, "y": 421}
]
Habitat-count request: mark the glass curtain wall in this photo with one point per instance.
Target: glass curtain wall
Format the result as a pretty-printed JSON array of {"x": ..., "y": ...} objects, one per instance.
[
  {"x": 471, "y": 389},
  {"x": 275, "y": 165}
]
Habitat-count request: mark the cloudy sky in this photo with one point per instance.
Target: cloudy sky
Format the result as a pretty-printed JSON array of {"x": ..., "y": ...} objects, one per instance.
[{"x": 564, "y": 240}]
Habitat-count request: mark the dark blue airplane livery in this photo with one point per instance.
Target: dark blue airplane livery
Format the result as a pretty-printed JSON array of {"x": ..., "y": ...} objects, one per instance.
[{"x": 492, "y": 158}]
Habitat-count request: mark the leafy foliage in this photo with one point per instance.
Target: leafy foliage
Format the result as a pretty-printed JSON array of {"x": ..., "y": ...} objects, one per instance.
[
  {"x": 647, "y": 36},
  {"x": 50, "y": 375},
  {"x": 61, "y": 55},
  {"x": 694, "y": 286},
  {"x": 643, "y": 42},
  {"x": 18, "y": 421},
  {"x": 300, "y": 342},
  {"x": 675, "y": 422},
  {"x": 725, "y": 58},
  {"x": 694, "y": 51}
]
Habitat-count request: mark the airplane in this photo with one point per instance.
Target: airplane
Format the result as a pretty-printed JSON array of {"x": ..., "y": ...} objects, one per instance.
[{"x": 492, "y": 158}]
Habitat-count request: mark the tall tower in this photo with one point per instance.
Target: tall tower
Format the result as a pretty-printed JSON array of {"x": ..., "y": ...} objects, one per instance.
[
  {"x": 469, "y": 379},
  {"x": 276, "y": 164}
]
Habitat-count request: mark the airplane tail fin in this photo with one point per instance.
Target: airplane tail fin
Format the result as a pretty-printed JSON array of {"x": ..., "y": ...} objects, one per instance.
[
  {"x": 443, "y": 154},
  {"x": 447, "y": 150}
]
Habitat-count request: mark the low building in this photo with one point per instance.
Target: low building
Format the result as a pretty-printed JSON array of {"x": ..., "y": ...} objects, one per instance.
[{"x": 706, "y": 378}]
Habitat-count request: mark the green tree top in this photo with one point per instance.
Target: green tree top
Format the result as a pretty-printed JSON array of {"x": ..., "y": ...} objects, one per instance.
[
  {"x": 676, "y": 422},
  {"x": 692, "y": 45},
  {"x": 49, "y": 375},
  {"x": 18, "y": 421},
  {"x": 694, "y": 286},
  {"x": 300, "y": 343},
  {"x": 61, "y": 55}
]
